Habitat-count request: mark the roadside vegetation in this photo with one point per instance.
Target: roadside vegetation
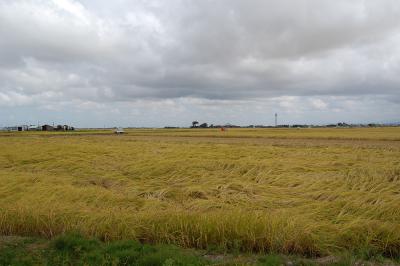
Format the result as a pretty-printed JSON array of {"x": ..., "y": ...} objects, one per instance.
[
  {"x": 251, "y": 191},
  {"x": 73, "y": 249}
]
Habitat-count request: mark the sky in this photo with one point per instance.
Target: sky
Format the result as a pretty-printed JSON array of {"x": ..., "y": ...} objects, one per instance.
[{"x": 148, "y": 63}]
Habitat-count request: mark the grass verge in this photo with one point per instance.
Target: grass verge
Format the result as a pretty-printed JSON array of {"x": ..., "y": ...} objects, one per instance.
[{"x": 74, "y": 249}]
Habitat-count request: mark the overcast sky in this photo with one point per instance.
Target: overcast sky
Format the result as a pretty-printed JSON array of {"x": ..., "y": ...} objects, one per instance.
[{"x": 166, "y": 63}]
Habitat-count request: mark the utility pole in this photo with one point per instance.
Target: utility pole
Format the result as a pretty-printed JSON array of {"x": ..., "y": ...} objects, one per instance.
[{"x": 276, "y": 119}]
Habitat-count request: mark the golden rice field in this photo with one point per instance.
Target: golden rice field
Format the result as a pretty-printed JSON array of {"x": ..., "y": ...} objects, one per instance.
[{"x": 303, "y": 191}]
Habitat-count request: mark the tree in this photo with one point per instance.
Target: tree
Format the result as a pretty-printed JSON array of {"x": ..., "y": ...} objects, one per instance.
[
  {"x": 194, "y": 124},
  {"x": 204, "y": 125}
]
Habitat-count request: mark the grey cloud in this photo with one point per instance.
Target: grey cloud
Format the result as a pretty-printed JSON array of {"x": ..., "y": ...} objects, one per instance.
[{"x": 227, "y": 50}]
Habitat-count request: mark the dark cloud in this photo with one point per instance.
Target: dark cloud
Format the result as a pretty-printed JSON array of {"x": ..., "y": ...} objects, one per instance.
[{"x": 71, "y": 51}]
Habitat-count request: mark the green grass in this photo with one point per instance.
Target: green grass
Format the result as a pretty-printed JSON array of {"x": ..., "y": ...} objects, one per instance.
[
  {"x": 73, "y": 249},
  {"x": 311, "y": 192}
]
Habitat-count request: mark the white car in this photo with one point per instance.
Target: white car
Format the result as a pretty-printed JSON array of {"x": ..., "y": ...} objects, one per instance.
[{"x": 119, "y": 130}]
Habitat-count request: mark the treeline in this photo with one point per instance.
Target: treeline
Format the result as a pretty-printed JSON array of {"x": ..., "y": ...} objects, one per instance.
[{"x": 196, "y": 124}]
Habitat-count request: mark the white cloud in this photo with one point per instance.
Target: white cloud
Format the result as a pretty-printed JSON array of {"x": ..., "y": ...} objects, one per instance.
[
  {"x": 185, "y": 55},
  {"x": 319, "y": 104}
]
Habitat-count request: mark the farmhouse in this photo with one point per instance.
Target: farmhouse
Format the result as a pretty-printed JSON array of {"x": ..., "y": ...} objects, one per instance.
[
  {"x": 47, "y": 128},
  {"x": 17, "y": 128}
]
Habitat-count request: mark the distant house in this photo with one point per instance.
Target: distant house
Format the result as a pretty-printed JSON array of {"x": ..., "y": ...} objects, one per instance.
[
  {"x": 11, "y": 128},
  {"x": 34, "y": 128},
  {"x": 47, "y": 128},
  {"x": 38, "y": 128},
  {"x": 22, "y": 128}
]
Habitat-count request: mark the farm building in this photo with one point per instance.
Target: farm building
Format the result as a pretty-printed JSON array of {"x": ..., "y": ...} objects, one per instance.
[
  {"x": 17, "y": 128},
  {"x": 12, "y": 128},
  {"x": 57, "y": 128},
  {"x": 47, "y": 128},
  {"x": 34, "y": 128}
]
